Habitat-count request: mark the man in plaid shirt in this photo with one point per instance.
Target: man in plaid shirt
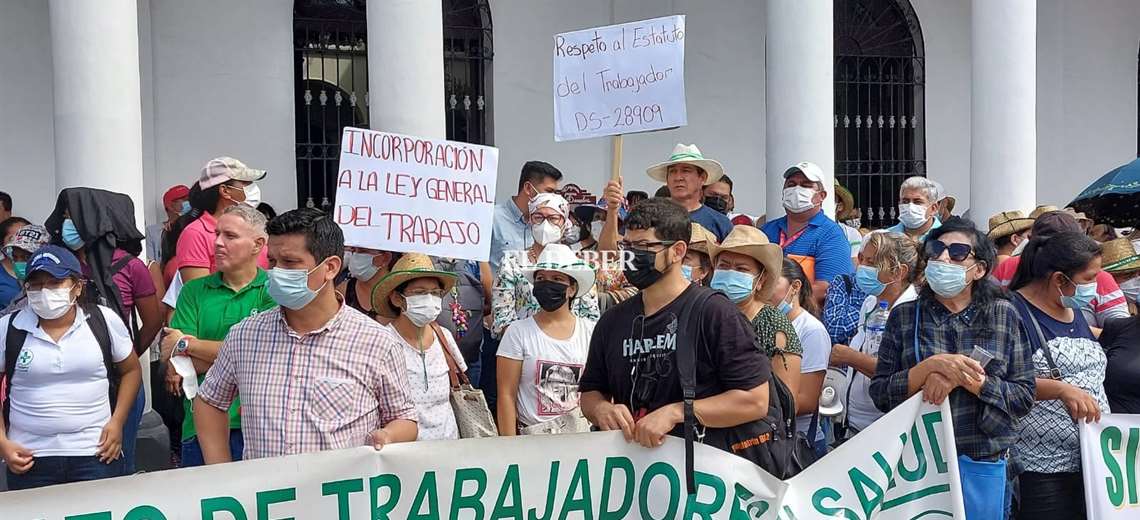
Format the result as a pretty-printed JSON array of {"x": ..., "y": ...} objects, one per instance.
[
  {"x": 957, "y": 312},
  {"x": 313, "y": 374}
]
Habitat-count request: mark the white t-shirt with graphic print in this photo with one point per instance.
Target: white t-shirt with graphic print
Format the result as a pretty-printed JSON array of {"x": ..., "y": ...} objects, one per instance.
[{"x": 548, "y": 385}]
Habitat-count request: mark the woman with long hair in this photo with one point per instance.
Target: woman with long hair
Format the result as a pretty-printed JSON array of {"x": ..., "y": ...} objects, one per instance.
[{"x": 792, "y": 296}]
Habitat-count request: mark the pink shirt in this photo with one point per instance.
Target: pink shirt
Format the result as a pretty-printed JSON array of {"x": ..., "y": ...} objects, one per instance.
[
  {"x": 326, "y": 390},
  {"x": 196, "y": 245},
  {"x": 133, "y": 280}
]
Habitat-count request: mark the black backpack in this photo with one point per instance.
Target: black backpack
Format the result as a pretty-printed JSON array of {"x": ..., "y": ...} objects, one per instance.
[
  {"x": 14, "y": 343},
  {"x": 771, "y": 442},
  {"x": 94, "y": 295}
]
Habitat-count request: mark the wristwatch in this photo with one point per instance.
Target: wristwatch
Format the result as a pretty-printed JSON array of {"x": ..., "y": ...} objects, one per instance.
[{"x": 182, "y": 346}]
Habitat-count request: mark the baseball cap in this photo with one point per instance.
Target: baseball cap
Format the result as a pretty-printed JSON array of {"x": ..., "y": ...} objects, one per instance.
[
  {"x": 30, "y": 238},
  {"x": 222, "y": 169},
  {"x": 56, "y": 261},
  {"x": 810, "y": 170},
  {"x": 175, "y": 193}
]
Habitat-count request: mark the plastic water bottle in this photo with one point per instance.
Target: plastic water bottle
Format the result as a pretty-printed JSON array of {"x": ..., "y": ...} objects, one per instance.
[{"x": 875, "y": 326}]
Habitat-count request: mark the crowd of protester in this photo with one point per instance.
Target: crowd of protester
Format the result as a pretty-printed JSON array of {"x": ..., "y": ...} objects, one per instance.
[{"x": 268, "y": 336}]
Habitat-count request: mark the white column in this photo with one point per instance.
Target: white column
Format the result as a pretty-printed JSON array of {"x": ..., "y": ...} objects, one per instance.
[
  {"x": 98, "y": 114},
  {"x": 799, "y": 80},
  {"x": 405, "y": 67},
  {"x": 1003, "y": 131}
]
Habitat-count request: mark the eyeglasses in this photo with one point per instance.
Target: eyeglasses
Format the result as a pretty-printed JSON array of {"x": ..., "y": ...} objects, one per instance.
[
  {"x": 958, "y": 251},
  {"x": 645, "y": 245},
  {"x": 438, "y": 293},
  {"x": 537, "y": 219}
]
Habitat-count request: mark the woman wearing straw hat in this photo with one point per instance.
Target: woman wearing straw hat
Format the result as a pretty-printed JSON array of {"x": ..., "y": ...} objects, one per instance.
[
  {"x": 697, "y": 266},
  {"x": 1121, "y": 336},
  {"x": 1008, "y": 230},
  {"x": 411, "y": 296},
  {"x": 541, "y": 358},
  {"x": 747, "y": 266},
  {"x": 1122, "y": 262},
  {"x": 512, "y": 298}
]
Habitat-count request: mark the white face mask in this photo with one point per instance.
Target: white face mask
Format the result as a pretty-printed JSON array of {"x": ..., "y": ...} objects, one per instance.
[
  {"x": 596, "y": 229},
  {"x": 574, "y": 235},
  {"x": 912, "y": 216},
  {"x": 798, "y": 199},
  {"x": 50, "y": 304},
  {"x": 360, "y": 265},
  {"x": 252, "y": 195},
  {"x": 546, "y": 233},
  {"x": 422, "y": 308}
]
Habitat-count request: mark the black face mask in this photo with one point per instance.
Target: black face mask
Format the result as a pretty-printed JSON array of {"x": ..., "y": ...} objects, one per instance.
[
  {"x": 551, "y": 295},
  {"x": 718, "y": 204},
  {"x": 644, "y": 272}
]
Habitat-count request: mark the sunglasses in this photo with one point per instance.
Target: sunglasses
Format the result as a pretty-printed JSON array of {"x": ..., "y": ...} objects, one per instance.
[{"x": 958, "y": 252}]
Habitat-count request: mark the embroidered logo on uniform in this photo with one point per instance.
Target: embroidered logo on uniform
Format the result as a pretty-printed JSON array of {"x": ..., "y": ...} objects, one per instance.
[{"x": 24, "y": 361}]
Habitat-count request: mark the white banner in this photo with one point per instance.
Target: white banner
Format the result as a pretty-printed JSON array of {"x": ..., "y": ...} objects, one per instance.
[
  {"x": 403, "y": 193},
  {"x": 620, "y": 79},
  {"x": 1109, "y": 460},
  {"x": 900, "y": 468}
]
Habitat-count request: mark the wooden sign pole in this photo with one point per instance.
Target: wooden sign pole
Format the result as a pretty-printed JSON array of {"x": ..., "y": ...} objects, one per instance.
[{"x": 616, "y": 171}]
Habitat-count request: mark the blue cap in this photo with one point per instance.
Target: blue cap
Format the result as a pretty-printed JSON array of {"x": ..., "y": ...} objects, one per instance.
[{"x": 56, "y": 261}]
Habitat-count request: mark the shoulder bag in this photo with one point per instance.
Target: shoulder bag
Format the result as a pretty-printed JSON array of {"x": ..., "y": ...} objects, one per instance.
[{"x": 470, "y": 406}]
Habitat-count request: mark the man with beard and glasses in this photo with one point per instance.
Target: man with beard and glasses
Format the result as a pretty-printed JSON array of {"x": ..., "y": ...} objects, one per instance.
[{"x": 631, "y": 382}]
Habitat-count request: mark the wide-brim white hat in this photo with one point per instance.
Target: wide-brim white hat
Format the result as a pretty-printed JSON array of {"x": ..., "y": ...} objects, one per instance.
[
  {"x": 686, "y": 154},
  {"x": 559, "y": 258}
]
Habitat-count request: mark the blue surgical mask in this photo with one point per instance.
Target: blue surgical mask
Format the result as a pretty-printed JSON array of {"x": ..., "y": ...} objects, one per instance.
[
  {"x": 687, "y": 272},
  {"x": 784, "y": 307},
  {"x": 736, "y": 285},
  {"x": 946, "y": 280},
  {"x": 70, "y": 235},
  {"x": 185, "y": 208},
  {"x": 867, "y": 278},
  {"x": 1080, "y": 299},
  {"x": 290, "y": 287}
]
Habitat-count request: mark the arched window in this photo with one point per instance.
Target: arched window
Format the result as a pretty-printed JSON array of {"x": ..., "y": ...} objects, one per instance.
[
  {"x": 879, "y": 124},
  {"x": 330, "y": 44}
]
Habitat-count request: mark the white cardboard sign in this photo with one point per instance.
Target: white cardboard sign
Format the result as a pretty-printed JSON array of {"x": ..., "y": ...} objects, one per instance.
[
  {"x": 620, "y": 79},
  {"x": 409, "y": 194}
]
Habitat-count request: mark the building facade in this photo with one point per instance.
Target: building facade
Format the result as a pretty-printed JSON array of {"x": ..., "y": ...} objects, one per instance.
[{"x": 1005, "y": 102}]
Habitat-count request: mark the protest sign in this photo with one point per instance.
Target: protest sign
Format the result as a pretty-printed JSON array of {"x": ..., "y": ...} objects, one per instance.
[
  {"x": 620, "y": 79},
  {"x": 902, "y": 467},
  {"x": 403, "y": 193},
  {"x": 1109, "y": 460}
]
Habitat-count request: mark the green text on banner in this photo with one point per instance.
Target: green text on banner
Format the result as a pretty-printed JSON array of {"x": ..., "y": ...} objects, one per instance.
[
  {"x": 1110, "y": 456},
  {"x": 901, "y": 468}
]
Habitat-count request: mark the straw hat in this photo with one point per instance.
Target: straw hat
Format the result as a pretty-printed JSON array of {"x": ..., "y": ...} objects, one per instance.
[
  {"x": 752, "y": 242},
  {"x": 559, "y": 258},
  {"x": 1007, "y": 223},
  {"x": 1042, "y": 209},
  {"x": 407, "y": 268},
  {"x": 844, "y": 196},
  {"x": 1119, "y": 256},
  {"x": 686, "y": 154},
  {"x": 702, "y": 239}
]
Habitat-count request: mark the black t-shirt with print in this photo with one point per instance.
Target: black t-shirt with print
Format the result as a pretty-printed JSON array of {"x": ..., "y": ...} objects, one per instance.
[
  {"x": 1121, "y": 343},
  {"x": 633, "y": 358}
]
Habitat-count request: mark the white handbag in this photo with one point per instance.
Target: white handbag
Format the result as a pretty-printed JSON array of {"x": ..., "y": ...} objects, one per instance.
[{"x": 470, "y": 406}]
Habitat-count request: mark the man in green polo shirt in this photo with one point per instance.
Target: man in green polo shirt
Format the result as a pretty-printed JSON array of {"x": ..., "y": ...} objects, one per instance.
[{"x": 209, "y": 306}]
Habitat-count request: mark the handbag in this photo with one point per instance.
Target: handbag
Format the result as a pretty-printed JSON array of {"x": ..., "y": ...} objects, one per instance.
[
  {"x": 983, "y": 482},
  {"x": 770, "y": 442},
  {"x": 472, "y": 415}
]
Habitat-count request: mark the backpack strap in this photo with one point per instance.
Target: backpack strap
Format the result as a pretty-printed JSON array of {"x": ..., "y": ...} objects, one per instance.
[
  {"x": 98, "y": 325},
  {"x": 13, "y": 343},
  {"x": 1038, "y": 338},
  {"x": 688, "y": 339}
]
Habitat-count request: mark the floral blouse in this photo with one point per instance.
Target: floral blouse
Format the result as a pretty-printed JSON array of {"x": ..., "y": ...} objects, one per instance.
[
  {"x": 512, "y": 300},
  {"x": 767, "y": 323}
]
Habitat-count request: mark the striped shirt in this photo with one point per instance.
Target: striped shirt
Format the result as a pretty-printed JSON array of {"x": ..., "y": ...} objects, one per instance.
[{"x": 325, "y": 390}]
